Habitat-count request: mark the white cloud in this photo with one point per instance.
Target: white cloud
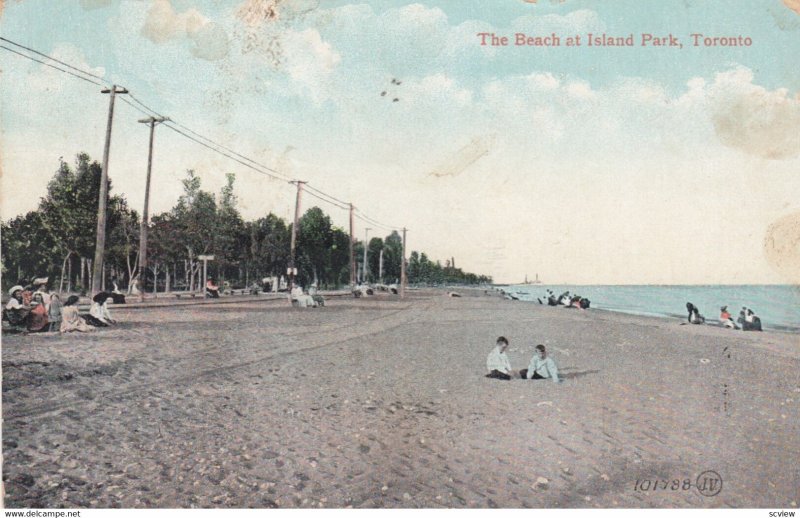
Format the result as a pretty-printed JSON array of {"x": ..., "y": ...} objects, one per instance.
[{"x": 755, "y": 120}]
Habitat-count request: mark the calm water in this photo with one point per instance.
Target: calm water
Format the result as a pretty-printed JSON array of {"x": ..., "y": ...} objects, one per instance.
[{"x": 778, "y": 306}]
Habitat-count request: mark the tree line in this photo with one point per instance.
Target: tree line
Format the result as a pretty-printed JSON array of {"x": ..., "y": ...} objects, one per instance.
[{"x": 58, "y": 239}]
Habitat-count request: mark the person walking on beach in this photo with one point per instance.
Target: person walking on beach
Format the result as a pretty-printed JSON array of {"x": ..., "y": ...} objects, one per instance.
[
  {"x": 541, "y": 367},
  {"x": 497, "y": 362}
]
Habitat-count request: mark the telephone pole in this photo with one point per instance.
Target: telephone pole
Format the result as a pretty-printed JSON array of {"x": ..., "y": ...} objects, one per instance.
[
  {"x": 403, "y": 267},
  {"x": 352, "y": 252},
  {"x": 102, "y": 202},
  {"x": 152, "y": 121},
  {"x": 364, "y": 268},
  {"x": 292, "y": 269}
]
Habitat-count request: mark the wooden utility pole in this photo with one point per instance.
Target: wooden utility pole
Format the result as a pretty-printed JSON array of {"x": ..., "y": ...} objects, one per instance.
[
  {"x": 292, "y": 271},
  {"x": 364, "y": 267},
  {"x": 380, "y": 267},
  {"x": 100, "y": 243},
  {"x": 403, "y": 268},
  {"x": 152, "y": 121},
  {"x": 352, "y": 252}
]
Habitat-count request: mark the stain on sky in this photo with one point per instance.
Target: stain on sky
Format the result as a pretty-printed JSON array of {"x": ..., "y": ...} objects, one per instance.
[
  {"x": 782, "y": 247},
  {"x": 462, "y": 159}
]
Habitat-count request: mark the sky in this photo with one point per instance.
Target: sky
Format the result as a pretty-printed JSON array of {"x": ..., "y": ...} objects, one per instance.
[{"x": 585, "y": 165}]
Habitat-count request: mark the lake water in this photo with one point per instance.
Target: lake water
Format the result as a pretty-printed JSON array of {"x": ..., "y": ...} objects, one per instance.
[{"x": 778, "y": 306}]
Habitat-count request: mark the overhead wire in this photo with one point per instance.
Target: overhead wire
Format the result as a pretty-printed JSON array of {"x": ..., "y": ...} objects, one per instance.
[
  {"x": 53, "y": 59},
  {"x": 182, "y": 130},
  {"x": 51, "y": 66}
]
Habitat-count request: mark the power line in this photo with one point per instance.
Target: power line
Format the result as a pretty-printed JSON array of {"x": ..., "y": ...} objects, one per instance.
[
  {"x": 202, "y": 140},
  {"x": 51, "y": 65},
  {"x": 217, "y": 144},
  {"x": 209, "y": 146},
  {"x": 176, "y": 130},
  {"x": 323, "y": 198},
  {"x": 54, "y": 59},
  {"x": 346, "y": 205},
  {"x": 366, "y": 219},
  {"x": 360, "y": 215},
  {"x": 326, "y": 201}
]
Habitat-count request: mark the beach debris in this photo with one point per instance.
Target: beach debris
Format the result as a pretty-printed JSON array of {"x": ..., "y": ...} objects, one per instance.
[
  {"x": 406, "y": 496},
  {"x": 453, "y": 294},
  {"x": 605, "y": 477},
  {"x": 565, "y": 470},
  {"x": 705, "y": 360},
  {"x": 562, "y": 351},
  {"x": 541, "y": 483},
  {"x": 542, "y": 403},
  {"x": 385, "y": 488}
]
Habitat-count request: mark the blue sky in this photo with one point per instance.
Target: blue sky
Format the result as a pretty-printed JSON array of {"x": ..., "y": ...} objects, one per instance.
[{"x": 514, "y": 160}]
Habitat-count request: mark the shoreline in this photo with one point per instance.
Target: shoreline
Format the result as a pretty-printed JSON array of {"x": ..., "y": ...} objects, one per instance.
[{"x": 790, "y": 328}]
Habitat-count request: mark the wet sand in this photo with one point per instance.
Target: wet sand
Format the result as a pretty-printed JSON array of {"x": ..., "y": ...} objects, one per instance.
[{"x": 380, "y": 402}]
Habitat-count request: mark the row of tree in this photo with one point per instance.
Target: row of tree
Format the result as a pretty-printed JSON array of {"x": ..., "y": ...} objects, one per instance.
[{"x": 58, "y": 241}]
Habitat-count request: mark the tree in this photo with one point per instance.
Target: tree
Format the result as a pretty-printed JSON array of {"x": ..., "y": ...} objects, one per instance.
[
  {"x": 269, "y": 245},
  {"x": 314, "y": 242},
  {"x": 195, "y": 222}
]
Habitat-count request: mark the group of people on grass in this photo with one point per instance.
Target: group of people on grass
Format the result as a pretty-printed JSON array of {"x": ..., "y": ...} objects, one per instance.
[
  {"x": 39, "y": 311},
  {"x": 747, "y": 321},
  {"x": 541, "y": 366}
]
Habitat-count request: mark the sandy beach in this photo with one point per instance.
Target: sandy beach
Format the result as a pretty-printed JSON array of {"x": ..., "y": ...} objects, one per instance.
[{"x": 382, "y": 402}]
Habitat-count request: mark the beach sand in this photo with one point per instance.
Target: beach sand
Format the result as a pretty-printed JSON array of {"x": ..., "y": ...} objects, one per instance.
[{"x": 382, "y": 402}]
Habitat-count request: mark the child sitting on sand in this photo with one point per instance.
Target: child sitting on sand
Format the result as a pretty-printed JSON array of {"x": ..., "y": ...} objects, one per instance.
[
  {"x": 541, "y": 367},
  {"x": 497, "y": 362}
]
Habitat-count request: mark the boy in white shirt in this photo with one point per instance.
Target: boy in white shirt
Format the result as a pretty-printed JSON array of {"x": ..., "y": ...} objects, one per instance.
[
  {"x": 497, "y": 362},
  {"x": 541, "y": 367}
]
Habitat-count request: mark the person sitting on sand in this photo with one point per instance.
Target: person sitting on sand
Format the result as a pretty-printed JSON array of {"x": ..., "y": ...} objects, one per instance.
[
  {"x": 37, "y": 318},
  {"x": 497, "y": 362},
  {"x": 99, "y": 309},
  {"x": 725, "y": 318},
  {"x": 16, "y": 311},
  {"x": 541, "y": 367},
  {"x": 749, "y": 320},
  {"x": 694, "y": 314},
  {"x": 41, "y": 289},
  {"x": 71, "y": 319},
  {"x": 301, "y": 299},
  {"x": 212, "y": 290}
]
